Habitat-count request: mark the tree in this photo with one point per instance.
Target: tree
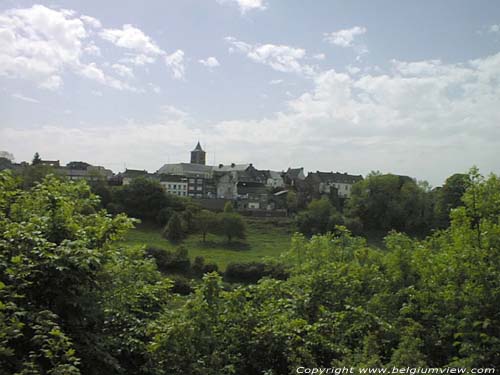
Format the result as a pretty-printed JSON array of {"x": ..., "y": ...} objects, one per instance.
[
  {"x": 291, "y": 202},
  {"x": 449, "y": 196},
  {"x": 228, "y": 207},
  {"x": 206, "y": 222},
  {"x": 320, "y": 217},
  {"x": 143, "y": 198},
  {"x": 173, "y": 231},
  {"x": 232, "y": 226},
  {"x": 54, "y": 246},
  {"x": 36, "y": 159},
  {"x": 7, "y": 155}
]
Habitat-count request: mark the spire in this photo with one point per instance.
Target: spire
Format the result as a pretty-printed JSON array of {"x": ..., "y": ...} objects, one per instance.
[{"x": 198, "y": 147}]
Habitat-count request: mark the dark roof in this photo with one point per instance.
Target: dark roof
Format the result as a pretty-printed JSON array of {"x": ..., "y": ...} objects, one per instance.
[
  {"x": 294, "y": 172},
  {"x": 198, "y": 147},
  {"x": 134, "y": 173},
  {"x": 336, "y": 177}
]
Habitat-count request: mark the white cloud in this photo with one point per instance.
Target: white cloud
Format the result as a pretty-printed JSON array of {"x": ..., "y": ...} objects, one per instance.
[
  {"x": 245, "y": 5},
  {"x": 25, "y": 98},
  {"x": 93, "y": 72},
  {"x": 344, "y": 37},
  {"x": 390, "y": 121},
  {"x": 275, "y": 81},
  {"x": 91, "y": 21},
  {"x": 175, "y": 62},
  {"x": 123, "y": 71},
  {"x": 282, "y": 58},
  {"x": 319, "y": 56},
  {"x": 494, "y": 29},
  {"x": 39, "y": 43},
  {"x": 132, "y": 38},
  {"x": 210, "y": 62}
]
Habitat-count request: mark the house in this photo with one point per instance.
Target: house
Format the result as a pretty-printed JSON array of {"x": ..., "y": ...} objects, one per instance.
[
  {"x": 325, "y": 183},
  {"x": 176, "y": 185},
  {"x": 88, "y": 172},
  {"x": 131, "y": 174},
  {"x": 252, "y": 196},
  {"x": 292, "y": 175},
  {"x": 272, "y": 179}
]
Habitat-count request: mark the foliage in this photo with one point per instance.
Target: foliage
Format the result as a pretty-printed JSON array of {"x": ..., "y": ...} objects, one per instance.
[
  {"x": 429, "y": 303},
  {"x": 320, "y": 217},
  {"x": 173, "y": 230},
  {"x": 53, "y": 246},
  {"x": 206, "y": 222},
  {"x": 36, "y": 159},
  {"x": 228, "y": 207},
  {"x": 143, "y": 198},
  {"x": 252, "y": 272},
  {"x": 232, "y": 226},
  {"x": 390, "y": 202}
]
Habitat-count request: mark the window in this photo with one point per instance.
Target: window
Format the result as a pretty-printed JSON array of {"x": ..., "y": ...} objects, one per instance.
[
  {"x": 199, "y": 187},
  {"x": 199, "y": 181},
  {"x": 191, "y": 180}
]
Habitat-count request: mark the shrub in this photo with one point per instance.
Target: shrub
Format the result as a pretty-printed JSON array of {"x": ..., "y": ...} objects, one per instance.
[{"x": 252, "y": 272}]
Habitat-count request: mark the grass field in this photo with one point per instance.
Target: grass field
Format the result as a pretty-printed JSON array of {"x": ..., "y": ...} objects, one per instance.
[{"x": 264, "y": 239}]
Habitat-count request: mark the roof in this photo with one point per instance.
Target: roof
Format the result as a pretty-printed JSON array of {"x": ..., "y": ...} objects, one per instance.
[
  {"x": 198, "y": 147},
  {"x": 231, "y": 167},
  {"x": 184, "y": 168},
  {"x": 336, "y": 177},
  {"x": 294, "y": 172},
  {"x": 132, "y": 173}
]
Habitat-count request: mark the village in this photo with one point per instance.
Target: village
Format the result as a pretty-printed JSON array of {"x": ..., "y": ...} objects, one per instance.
[{"x": 256, "y": 192}]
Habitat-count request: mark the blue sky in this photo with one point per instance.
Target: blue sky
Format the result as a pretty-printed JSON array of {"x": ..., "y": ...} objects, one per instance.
[{"x": 403, "y": 87}]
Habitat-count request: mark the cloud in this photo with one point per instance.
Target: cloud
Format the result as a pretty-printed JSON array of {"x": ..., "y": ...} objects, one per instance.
[
  {"x": 123, "y": 71},
  {"x": 132, "y": 38},
  {"x": 245, "y": 5},
  {"x": 175, "y": 62},
  {"x": 282, "y": 58},
  {"x": 345, "y": 37},
  {"x": 25, "y": 98},
  {"x": 494, "y": 29},
  {"x": 94, "y": 73},
  {"x": 275, "y": 81},
  {"x": 42, "y": 44},
  {"x": 389, "y": 121},
  {"x": 210, "y": 62},
  {"x": 39, "y": 43}
]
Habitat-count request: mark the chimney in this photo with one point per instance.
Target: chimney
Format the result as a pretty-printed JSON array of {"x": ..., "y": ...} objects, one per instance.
[{"x": 232, "y": 165}]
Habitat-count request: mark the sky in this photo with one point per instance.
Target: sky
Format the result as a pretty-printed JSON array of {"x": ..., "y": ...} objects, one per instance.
[{"x": 404, "y": 87}]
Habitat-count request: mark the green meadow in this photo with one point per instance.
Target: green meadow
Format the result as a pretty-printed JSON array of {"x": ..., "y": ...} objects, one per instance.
[{"x": 265, "y": 238}]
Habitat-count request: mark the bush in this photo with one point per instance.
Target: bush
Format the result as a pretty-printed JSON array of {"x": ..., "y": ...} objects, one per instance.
[
  {"x": 173, "y": 231},
  {"x": 170, "y": 262},
  {"x": 164, "y": 216},
  {"x": 252, "y": 272}
]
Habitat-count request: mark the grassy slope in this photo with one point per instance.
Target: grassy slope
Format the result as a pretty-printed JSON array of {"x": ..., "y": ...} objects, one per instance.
[{"x": 264, "y": 239}]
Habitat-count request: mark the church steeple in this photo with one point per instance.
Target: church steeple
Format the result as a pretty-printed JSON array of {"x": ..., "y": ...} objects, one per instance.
[{"x": 198, "y": 155}]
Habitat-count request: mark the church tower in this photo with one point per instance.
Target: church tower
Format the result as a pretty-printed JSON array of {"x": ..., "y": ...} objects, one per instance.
[{"x": 198, "y": 155}]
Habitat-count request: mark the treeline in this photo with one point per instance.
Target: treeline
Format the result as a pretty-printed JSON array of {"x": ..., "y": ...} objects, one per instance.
[
  {"x": 72, "y": 302},
  {"x": 381, "y": 203}
]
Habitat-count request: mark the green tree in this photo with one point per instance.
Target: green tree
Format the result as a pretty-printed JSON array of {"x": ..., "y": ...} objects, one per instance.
[
  {"x": 228, "y": 207},
  {"x": 206, "y": 222},
  {"x": 36, "y": 159},
  {"x": 53, "y": 245},
  {"x": 174, "y": 231},
  {"x": 143, "y": 198},
  {"x": 449, "y": 196},
  {"x": 232, "y": 226},
  {"x": 291, "y": 202}
]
